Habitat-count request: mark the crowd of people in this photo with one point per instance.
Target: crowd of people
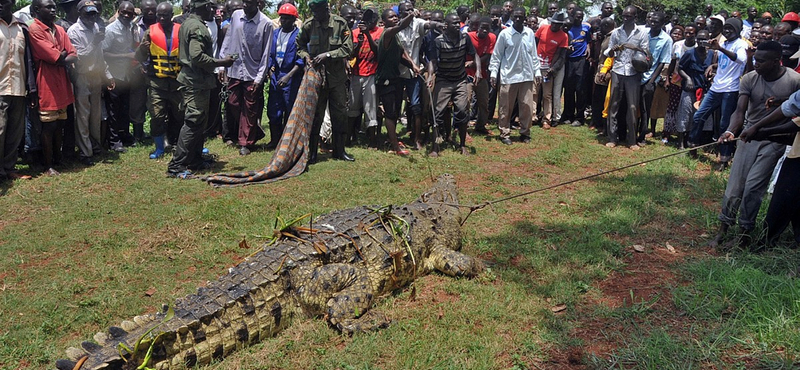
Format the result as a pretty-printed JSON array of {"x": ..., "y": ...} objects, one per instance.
[{"x": 79, "y": 85}]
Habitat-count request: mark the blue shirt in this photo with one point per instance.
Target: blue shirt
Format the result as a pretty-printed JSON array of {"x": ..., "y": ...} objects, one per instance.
[
  {"x": 515, "y": 56},
  {"x": 251, "y": 40},
  {"x": 579, "y": 40},
  {"x": 661, "y": 50}
]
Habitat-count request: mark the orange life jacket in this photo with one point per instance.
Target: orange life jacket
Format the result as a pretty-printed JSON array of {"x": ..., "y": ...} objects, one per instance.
[{"x": 164, "y": 52}]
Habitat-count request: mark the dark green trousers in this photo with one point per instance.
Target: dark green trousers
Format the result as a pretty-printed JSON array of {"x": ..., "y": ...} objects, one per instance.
[{"x": 188, "y": 152}]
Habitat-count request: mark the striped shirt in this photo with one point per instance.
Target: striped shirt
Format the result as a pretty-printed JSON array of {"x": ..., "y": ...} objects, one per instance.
[{"x": 451, "y": 56}]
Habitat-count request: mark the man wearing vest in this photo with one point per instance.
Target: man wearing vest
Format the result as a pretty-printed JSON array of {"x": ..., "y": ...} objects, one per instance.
[{"x": 160, "y": 48}]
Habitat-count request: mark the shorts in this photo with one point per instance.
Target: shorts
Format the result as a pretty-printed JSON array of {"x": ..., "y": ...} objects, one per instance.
[{"x": 391, "y": 95}]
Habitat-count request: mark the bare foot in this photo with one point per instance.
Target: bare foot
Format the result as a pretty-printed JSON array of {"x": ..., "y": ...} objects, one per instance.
[
  {"x": 464, "y": 150},
  {"x": 433, "y": 154}
]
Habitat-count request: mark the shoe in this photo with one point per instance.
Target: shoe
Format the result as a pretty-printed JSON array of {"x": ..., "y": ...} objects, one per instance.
[
  {"x": 433, "y": 154},
  {"x": 244, "y": 151},
  {"x": 119, "y": 148},
  {"x": 648, "y": 135},
  {"x": 87, "y": 161},
  {"x": 635, "y": 147},
  {"x": 464, "y": 150},
  {"x": 506, "y": 141},
  {"x": 229, "y": 143},
  {"x": 183, "y": 175},
  {"x": 401, "y": 152},
  {"x": 271, "y": 145},
  {"x": 576, "y": 123},
  {"x": 546, "y": 126},
  {"x": 664, "y": 141},
  {"x": 525, "y": 139},
  {"x": 641, "y": 143},
  {"x": 481, "y": 131},
  {"x": 338, "y": 148},
  {"x": 51, "y": 172},
  {"x": 611, "y": 144}
]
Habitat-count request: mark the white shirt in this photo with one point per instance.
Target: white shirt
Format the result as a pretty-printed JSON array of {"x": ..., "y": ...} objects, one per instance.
[
  {"x": 515, "y": 56},
  {"x": 411, "y": 39},
  {"x": 730, "y": 71}
]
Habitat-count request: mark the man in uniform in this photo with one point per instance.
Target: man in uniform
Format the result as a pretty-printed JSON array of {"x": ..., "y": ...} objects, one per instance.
[
  {"x": 325, "y": 41},
  {"x": 197, "y": 79},
  {"x": 159, "y": 51}
]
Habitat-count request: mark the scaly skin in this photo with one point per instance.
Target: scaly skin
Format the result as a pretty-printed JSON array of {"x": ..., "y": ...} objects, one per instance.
[{"x": 335, "y": 273}]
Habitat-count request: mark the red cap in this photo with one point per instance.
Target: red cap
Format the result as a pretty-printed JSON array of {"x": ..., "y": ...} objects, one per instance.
[
  {"x": 791, "y": 17},
  {"x": 289, "y": 9}
]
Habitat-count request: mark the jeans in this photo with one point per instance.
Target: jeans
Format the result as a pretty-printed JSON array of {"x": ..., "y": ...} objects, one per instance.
[{"x": 713, "y": 100}]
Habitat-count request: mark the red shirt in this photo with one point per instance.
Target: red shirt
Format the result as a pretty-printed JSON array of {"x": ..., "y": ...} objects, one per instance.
[
  {"x": 366, "y": 61},
  {"x": 55, "y": 88},
  {"x": 550, "y": 42},
  {"x": 482, "y": 47}
]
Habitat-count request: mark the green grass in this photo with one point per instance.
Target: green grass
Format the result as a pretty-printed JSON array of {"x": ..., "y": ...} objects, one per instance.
[{"x": 81, "y": 250}]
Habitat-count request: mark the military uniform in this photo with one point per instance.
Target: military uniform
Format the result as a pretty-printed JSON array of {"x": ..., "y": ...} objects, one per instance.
[
  {"x": 197, "y": 79},
  {"x": 334, "y": 38}
]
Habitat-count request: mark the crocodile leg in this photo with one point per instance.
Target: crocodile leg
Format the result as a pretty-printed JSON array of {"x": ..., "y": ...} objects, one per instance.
[
  {"x": 452, "y": 263},
  {"x": 342, "y": 292}
]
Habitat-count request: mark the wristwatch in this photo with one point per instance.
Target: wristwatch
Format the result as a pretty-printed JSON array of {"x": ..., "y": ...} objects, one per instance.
[{"x": 327, "y": 55}]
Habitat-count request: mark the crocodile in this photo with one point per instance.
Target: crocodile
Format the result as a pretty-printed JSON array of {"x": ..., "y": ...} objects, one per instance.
[{"x": 333, "y": 269}]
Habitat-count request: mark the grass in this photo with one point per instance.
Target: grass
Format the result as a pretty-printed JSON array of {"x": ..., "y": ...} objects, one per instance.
[{"x": 81, "y": 250}]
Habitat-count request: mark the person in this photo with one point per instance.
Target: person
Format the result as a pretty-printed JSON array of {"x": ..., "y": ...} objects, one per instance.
[
  {"x": 515, "y": 61},
  {"x": 600, "y": 89},
  {"x": 197, "y": 79},
  {"x": 286, "y": 73},
  {"x": 362, "y": 83},
  {"x": 391, "y": 54},
  {"x": 52, "y": 51},
  {"x": 411, "y": 38},
  {"x": 782, "y": 209},
  {"x": 248, "y": 43},
  {"x": 484, "y": 42},
  {"x": 760, "y": 92},
  {"x": 700, "y": 22},
  {"x": 448, "y": 79},
  {"x": 159, "y": 52},
  {"x": 138, "y": 78},
  {"x": 508, "y": 7},
  {"x": 747, "y": 24},
  {"x": 332, "y": 46},
  {"x": 660, "y": 48},
  {"x": 350, "y": 14},
  {"x": 15, "y": 86},
  {"x": 683, "y": 39},
  {"x": 576, "y": 70},
  {"x": 70, "y": 11},
  {"x": 722, "y": 94},
  {"x": 552, "y": 51},
  {"x": 93, "y": 75},
  {"x": 626, "y": 41},
  {"x": 119, "y": 45}
]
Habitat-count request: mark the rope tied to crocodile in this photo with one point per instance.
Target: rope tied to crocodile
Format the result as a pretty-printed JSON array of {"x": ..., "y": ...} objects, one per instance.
[
  {"x": 475, "y": 207},
  {"x": 291, "y": 155}
]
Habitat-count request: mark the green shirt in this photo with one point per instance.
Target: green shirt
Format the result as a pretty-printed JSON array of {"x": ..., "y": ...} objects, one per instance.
[
  {"x": 195, "y": 54},
  {"x": 333, "y": 37}
]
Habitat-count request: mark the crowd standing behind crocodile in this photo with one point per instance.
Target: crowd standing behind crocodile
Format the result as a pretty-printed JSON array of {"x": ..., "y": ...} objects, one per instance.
[{"x": 81, "y": 81}]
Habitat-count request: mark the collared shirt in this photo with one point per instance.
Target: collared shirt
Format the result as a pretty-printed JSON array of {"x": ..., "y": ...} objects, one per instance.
[
  {"x": 120, "y": 39},
  {"x": 483, "y": 46},
  {"x": 661, "y": 51},
  {"x": 55, "y": 88},
  {"x": 12, "y": 59},
  {"x": 195, "y": 53},
  {"x": 332, "y": 37},
  {"x": 91, "y": 63},
  {"x": 411, "y": 38},
  {"x": 251, "y": 40},
  {"x": 622, "y": 59},
  {"x": 515, "y": 56}
]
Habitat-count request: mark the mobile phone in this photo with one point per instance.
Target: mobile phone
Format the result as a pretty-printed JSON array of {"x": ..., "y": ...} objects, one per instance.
[{"x": 235, "y": 56}]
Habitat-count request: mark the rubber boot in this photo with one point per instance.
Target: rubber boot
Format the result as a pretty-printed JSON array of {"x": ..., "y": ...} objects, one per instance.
[
  {"x": 717, "y": 241},
  {"x": 313, "y": 148},
  {"x": 159, "y": 152},
  {"x": 372, "y": 137},
  {"x": 138, "y": 131},
  {"x": 338, "y": 148}
]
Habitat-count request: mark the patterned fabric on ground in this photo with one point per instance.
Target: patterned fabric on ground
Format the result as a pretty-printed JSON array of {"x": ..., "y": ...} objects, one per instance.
[{"x": 291, "y": 156}]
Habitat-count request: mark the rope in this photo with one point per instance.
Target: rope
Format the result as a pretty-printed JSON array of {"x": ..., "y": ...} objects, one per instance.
[{"x": 476, "y": 207}]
